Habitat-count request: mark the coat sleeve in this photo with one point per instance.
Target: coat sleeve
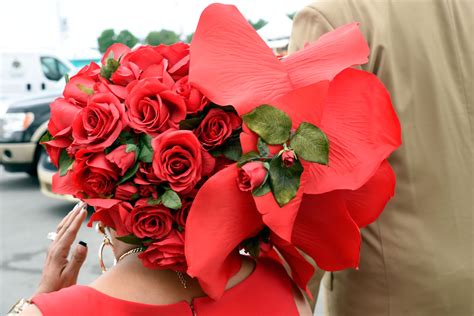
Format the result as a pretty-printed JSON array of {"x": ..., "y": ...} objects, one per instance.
[{"x": 308, "y": 25}]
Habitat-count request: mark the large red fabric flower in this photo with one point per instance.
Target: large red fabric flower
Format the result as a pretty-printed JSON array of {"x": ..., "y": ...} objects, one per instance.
[{"x": 314, "y": 85}]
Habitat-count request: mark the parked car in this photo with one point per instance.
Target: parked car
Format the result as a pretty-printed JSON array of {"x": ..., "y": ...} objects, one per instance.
[
  {"x": 46, "y": 170},
  {"x": 30, "y": 72},
  {"x": 22, "y": 125}
]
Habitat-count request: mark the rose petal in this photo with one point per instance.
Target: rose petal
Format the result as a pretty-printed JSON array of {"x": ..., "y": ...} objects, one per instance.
[
  {"x": 63, "y": 184},
  {"x": 362, "y": 128},
  {"x": 329, "y": 55},
  {"x": 219, "y": 209},
  {"x": 231, "y": 64},
  {"x": 118, "y": 50},
  {"x": 325, "y": 231},
  {"x": 366, "y": 204}
]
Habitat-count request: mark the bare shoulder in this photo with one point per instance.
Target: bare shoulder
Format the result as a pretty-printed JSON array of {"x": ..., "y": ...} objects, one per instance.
[{"x": 31, "y": 310}]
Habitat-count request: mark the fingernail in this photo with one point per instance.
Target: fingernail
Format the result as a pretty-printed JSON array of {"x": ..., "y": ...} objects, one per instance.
[{"x": 83, "y": 243}]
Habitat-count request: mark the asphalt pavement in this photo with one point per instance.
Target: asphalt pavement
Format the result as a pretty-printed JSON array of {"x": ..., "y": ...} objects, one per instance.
[{"x": 26, "y": 216}]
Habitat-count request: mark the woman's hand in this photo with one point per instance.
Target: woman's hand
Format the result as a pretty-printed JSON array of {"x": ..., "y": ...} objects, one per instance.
[{"x": 59, "y": 271}]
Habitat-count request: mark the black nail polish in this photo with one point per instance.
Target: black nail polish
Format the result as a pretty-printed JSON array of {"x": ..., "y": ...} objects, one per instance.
[{"x": 83, "y": 243}]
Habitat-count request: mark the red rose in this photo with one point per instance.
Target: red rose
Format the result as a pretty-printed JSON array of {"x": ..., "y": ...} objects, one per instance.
[
  {"x": 59, "y": 126},
  {"x": 121, "y": 158},
  {"x": 179, "y": 159},
  {"x": 115, "y": 51},
  {"x": 288, "y": 157},
  {"x": 153, "y": 108},
  {"x": 149, "y": 221},
  {"x": 148, "y": 191},
  {"x": 166, "y": 254},
  {"x": 99, "y": 124},
  {"x": 126, "y": 192},
  {"x": 251, "y": 175},
  {"x": 195, "y": 100},
  {"x": 125, "y": 73},
  {"x": 92, "y": 71},
  {"x": 79, "y": 89},
  {"x": 217, "y": 127},
  {"x": 144, "y": 56},
  {"x": 113, "y": 217},
  {"x": 178, "y": 59},
  {"x": 182, "y": 214},
  {"x": 145, "y": 175},
  {"x": 94, "y": 177}
]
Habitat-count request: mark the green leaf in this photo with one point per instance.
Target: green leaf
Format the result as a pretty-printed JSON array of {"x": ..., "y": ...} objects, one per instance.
[
  {"x": 66, "y": 78},
  {"x": 130, "y": 173},
  {"x": 262, "y": 190},
  {"x": 146, "y": 151},
  {"x": 152, "y": 201},
  {"x": 285, "y": 181},
  {"x": 85, "y": 89},
  {"x": 191, "y": 123},
  {"x": 131, "y": 147},
  {"x": 171, "y": 199},
  {"x": 131, "y": 239},
  {"x": 251, "y": 155},
  {"x": 110, "y": 67},
  {"x": 271, "y": 124},
  {"x": 263, "y": 148},
  {"x": 65, "y": 163},
  {"x": 311, "y": 144},
  {"x": 232, "y": 149},
  {"x": 46, "y": 137}
]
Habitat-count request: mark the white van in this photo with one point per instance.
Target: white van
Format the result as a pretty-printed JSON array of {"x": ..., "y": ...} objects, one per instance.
[{"x": 25, "y": 72}]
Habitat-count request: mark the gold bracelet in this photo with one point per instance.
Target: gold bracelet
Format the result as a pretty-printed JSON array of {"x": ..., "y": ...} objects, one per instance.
[{"x": 19, "y": 307}]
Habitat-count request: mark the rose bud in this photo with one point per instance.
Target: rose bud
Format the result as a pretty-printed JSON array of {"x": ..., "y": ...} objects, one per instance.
[
  {"x": 288, "y": 157},
  {"x": 216, "y": 128},
  {"x": 152, "y": 221},
  {"x": 121, "y": 158},
  {"x": 166, "y": 254},
  {"x": 251, "y": 176},
  {"x": 126, "y": 192}
]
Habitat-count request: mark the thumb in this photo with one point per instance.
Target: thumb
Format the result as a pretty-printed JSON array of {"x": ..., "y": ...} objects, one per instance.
[{"x": 71, "y": 271}]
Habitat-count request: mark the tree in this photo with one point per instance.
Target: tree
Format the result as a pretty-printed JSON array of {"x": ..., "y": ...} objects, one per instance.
[
  {"x": 166, "y": 37},
  {"x": 127, "y": 38},
  {"x": 259, "y": 24},
  {"x": 106, "y": 39}
]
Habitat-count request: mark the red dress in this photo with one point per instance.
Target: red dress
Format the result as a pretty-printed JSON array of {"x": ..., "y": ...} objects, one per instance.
[{"x": 267, "y": 291}]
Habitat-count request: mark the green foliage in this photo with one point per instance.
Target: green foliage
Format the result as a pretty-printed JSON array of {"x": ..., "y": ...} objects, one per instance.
[
  {"x": 247, "y": 157},
  {"x": 127, "y": 38},
  {"x": 311, "y": 144},
  {"x": 146, "y": 151},
  {"x": 130, "y": 173},
  {"x": 164, "y": 36},
  {"x": 65, "y": 163},
  {"x": 110, "y": 67},
  {"x": 284, "y": 181},
  {"x": 271, "y": 124},
  {"x": 171, "y": 199},
  {"x": 108, "y": 37},
  {"x": 258, "y": 24}
]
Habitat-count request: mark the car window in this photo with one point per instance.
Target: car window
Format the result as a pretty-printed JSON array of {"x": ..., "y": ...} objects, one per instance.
[{"x": 53, "y": 69}]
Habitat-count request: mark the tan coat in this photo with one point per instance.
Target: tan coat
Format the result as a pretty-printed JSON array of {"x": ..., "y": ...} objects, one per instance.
[{"x": 417, "y": 258}]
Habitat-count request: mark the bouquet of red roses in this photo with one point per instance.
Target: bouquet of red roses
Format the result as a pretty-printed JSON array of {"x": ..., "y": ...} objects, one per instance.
[{"x": 196, "y": 152}]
